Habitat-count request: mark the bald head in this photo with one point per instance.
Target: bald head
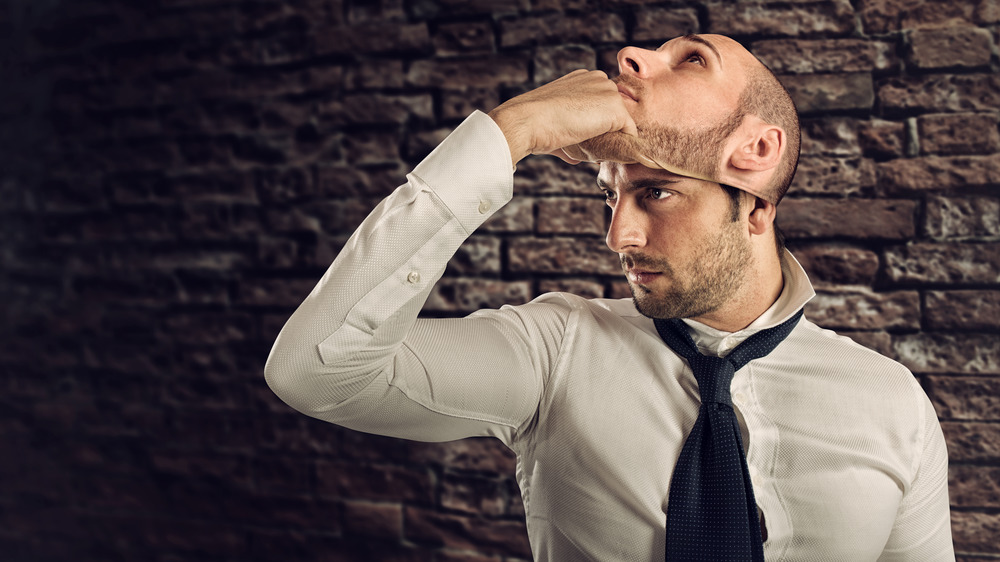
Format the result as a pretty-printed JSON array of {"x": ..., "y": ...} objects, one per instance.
[{"x": 705, "y": 107}]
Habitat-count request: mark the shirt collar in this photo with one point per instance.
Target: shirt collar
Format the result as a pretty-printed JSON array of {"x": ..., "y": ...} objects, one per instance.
[{"x": 795, "y": 293}]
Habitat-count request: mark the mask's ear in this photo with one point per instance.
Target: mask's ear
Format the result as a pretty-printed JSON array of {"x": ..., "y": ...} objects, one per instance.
[
  {"x": 760, "y": 151},
  {"x": 752, "y": 156}
]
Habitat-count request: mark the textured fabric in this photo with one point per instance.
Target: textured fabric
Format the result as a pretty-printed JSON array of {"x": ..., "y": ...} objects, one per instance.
[
  {"x": 712, "y": 514},
  {"x": 846, "y": 455}
]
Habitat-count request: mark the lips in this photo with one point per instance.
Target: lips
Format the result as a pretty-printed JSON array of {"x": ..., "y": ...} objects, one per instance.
[
  {"x": 642, "y": 277},
  {"x": 626, "y": 93}
]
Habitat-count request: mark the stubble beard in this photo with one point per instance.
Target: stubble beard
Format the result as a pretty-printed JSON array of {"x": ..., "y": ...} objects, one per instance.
[
  {"x": 705, "y": 285},
  {"x": 698, "y": 151}
]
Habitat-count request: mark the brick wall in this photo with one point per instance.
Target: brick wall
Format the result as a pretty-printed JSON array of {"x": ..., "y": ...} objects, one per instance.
[{"x": 177, "y": 174}]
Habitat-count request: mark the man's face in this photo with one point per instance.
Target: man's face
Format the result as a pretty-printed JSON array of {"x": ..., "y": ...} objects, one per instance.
[
  {"x": 684, "y": 99},
  {"x": 683, "y": 255}
]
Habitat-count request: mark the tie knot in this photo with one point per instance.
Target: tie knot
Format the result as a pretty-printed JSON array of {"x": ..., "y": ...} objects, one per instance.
[{"x": 714, "y": 375}]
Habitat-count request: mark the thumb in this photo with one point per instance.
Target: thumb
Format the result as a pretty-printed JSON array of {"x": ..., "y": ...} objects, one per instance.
[{"x": 629, "y": 127}]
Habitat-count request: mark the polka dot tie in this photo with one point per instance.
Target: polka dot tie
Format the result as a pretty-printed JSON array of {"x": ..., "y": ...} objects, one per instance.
[{"x": 711, "y": 513}]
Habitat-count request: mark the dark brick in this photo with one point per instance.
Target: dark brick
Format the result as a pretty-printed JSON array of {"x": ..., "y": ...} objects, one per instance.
[
  {"x": 553, "y": 62},
  {"x": 571, "y": 216},
  {"x": 374, "y": 38},
  {"x": 965, "y": 217},
  {"x": 974, "y": 486},
  {"x": 472, "y": 494},
  {"x": 937, "y": 173},
  {"x": 374, "y": 74},
  {"x": 798, "y": 56},
  {"x": 972, "y": 442},
  {"x": 379, "y": 11},
  {"x": 662, "y": 24},
  {"x": 468, "y": 295},
  {"x": 848, "y": 218},
  {"x": 463, "y": 38},
  {"x": 370, "y": 519},
  {"x": 965, "y": 133},
  {"x": 940, "y": 92},
  {"x": 483, "y": 72},
  {"x": 477, "y": 255},
  {"x": 830, "y": 92},
  {"x": 837, "y": 265},
  {"x": 466, "y": 533},
  {"x": 515, "y": 216},
  {"x": 367, "y": 108},
  {"x": 948, "y": 353},
  {"x": 476, "y": 454},
  {"x": 366, "y": 148},
  {"x": 343, "y": 182},
  {"x": 545, "y": 175},
  {"x": 882, "y": 139},
  {"x": 952, "y": 47},
  {"x": 965, "y": 398},
  {"x": 878, "y": 341},
  {"x": 594, "y": 27},
  {"x": 862, "y": 309},
  {"x": 430, "y": 9},
  {"x": 586, "y": 289},
  {"x": 459, "y": 104},
  {"x": 955, "y": 264},
  {"x": 882, "y": 16},
  {"x": 975, "y": 532},
  {"x": 269, "y": 292},
  {"x": 563, "y": 256},
  {"x": 820, "y": 175},
  {"x": 762, "y": 19},
  {"x": 372, "y": 482},
  {"x": 831, "y": 136},
  {"x": 963, "y": 310}
]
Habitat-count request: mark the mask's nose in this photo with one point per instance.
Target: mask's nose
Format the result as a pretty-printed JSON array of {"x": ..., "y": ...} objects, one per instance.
[{"x": 635, "y": 62}]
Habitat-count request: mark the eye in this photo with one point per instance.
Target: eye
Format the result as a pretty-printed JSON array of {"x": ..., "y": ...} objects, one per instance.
[
  {"x": 695, "y": 58},
  {"x": 658, "y": 194},
  {"x": 609, "y": 196}
]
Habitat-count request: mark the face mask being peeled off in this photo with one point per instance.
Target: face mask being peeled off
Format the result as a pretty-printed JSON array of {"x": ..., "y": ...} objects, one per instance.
[{"x": 702, "y": 163}]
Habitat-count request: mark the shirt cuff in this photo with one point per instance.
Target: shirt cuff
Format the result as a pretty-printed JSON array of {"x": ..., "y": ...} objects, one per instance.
[{"x": 470, "y": 171}]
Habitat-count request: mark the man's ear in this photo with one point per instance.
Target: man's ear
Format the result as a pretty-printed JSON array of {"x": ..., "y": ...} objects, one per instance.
[
  {"x": 761, "y": 151},
  {"x": 761, "y": 217}
]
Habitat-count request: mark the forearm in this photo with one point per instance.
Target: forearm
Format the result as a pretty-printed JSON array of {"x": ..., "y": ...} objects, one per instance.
[{"x": 350, "y": 327}]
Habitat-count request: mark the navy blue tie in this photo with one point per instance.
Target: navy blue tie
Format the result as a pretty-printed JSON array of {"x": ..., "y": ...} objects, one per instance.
[{"x": 711, "y": 512}]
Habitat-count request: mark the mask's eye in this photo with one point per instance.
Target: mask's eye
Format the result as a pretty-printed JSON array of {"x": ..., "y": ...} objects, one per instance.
[{"x": 695, "y": 58}]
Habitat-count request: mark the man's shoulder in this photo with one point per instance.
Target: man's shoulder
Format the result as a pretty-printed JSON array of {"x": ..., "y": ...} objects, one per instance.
[
  {"x": 618, "y": 307},
  {"x": 822, "y": 346}
]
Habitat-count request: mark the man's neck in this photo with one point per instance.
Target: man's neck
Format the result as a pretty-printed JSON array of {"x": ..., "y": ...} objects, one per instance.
[{"x": 759, "y": 293}]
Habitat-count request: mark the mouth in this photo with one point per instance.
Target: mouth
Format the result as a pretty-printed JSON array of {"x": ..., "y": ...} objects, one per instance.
[
  {"x": 626, "y": 93},
  {"x": 642, "y": 277}
]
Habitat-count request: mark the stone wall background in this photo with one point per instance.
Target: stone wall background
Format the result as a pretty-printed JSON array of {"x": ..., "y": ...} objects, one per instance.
[{"x": 177, "y": 174}]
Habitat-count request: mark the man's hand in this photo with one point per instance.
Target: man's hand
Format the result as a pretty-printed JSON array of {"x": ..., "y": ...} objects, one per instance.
[{"x": 577, "y": 107}]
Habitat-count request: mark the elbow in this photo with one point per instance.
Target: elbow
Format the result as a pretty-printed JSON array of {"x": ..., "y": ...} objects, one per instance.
[{"x": 288, "y": 375}]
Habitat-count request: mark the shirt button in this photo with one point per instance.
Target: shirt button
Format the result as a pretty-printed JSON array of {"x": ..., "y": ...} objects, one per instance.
[
  {"x": 413, "y": 277},
  {"x": 484, "y": 207}
]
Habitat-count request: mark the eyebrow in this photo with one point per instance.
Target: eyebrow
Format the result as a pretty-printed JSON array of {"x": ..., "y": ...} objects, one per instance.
[
  {"x": 702, "y": 41},
  {"x": 638, "y": 185}
]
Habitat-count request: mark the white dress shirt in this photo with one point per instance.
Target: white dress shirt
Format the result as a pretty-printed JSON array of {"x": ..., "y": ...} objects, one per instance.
[{"x": 846, "y": 455}]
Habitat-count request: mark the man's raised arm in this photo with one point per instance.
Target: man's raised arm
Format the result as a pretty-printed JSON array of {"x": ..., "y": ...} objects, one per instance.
[{"x": 354, "y": 353}]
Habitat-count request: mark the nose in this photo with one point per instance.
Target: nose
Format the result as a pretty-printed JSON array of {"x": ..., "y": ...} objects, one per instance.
[
  {"x": 627, "y": 232},
  {"x": 636, "y": 62}
]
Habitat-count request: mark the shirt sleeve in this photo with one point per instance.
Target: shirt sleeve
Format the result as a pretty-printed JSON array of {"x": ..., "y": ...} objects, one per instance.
[
  {"x": 354, "y": 352},
  {"x": 922, "y": 531}
]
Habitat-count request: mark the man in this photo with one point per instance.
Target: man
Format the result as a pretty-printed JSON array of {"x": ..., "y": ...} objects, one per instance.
[{"x": 844, "y": 456}]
